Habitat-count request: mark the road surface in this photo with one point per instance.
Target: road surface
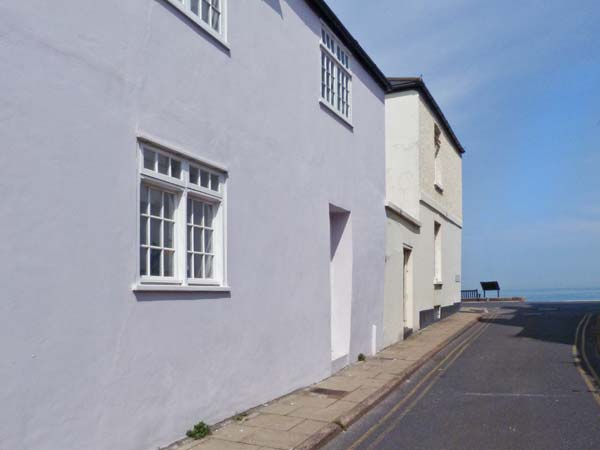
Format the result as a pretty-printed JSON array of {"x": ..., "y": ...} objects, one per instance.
[{"x": 514, "y": 382}]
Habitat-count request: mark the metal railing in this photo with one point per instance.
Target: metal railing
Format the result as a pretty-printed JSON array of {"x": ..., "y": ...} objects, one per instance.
[{"x": 470, "y": 294}]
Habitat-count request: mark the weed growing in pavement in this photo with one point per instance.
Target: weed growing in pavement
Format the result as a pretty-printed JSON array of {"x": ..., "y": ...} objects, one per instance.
[
  {"x": 199, "y": 431},
  {"x": 241, "y": 417}
]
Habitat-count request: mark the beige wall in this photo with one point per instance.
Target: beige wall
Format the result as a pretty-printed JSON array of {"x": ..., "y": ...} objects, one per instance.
[
  {"x": 410, "y": 178},
  {"x": 400, "y": 233},
  {"x": 450, "y": 199},
  {"x": 448, "y": 292},
  {"x": 402, "y": 150}
]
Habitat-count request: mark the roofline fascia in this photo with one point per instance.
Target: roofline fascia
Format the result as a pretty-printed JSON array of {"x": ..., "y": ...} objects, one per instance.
[
  {"x": 420, "y": 86},
  {"x": 332, "y": 21}
]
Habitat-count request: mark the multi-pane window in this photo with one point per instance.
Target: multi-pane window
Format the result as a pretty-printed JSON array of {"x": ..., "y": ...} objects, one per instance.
[
  {"x": 200, "y": 233},
  {"x": 161, "y": 163},
  {"x": 437, "y": 255},
  {"x": 336, "y": 78},
  {"x": 204, "y": 178},
  {"x": 208, "y": 13},
  {"x": 157, "y": 231},
  {"x": 181, "y": 220},
  {"x": 437, "y": 142}
]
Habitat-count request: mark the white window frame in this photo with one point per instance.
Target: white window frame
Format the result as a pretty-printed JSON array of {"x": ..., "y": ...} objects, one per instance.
[
  {"x": 185, "y": 7},
  {"x": 184, "y": 189},
  {"x": 437, "y": 159},
  {"x": 340, "y": 65},
  {"x": 437, "y": 254}
]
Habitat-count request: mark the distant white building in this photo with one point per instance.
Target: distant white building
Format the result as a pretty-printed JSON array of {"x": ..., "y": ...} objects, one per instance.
[{"x": 424, "y": 211}]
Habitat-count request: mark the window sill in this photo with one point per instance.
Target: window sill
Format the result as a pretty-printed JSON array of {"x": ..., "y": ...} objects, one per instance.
[
  {"x": 178, "y": 288},
  {"x": 218, "y": 37},
  {"x": 333, "y": 111},
  {"x": 438, "y": 283},
  {"x": 438, "y": 187}
]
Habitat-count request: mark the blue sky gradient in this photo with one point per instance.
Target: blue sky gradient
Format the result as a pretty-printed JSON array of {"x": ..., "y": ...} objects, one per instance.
[{"x": 520, "y": 84}]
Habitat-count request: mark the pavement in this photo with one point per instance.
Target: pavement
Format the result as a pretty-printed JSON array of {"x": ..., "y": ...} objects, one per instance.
[
  {"x": 525, "y": 378},
  {"x": 308, "y": 418}
]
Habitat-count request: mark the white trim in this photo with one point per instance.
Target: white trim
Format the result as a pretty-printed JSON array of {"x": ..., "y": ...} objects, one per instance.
[
  {"x": 220, "y": 37},
  {"x": 162, "y": 181},
  {"x": 438, "y": 255},
  {"x": 396, "y": 209},
  {"x": 223, "y": 213},
  {"x": 204, "y": 193},
  {"x": 156, "y": 280},
  {"x": 325, "y": 52},
  {"x": 339, "y": 42},
  {"x": 331, "y": 54},
  {"x": 178, "y": 288},
  {"x": 169, "y": 147},
  {"x": 334, "y": 111},
  {"x": 428, "y": 201},
  {"x": 184, "y": 188}
]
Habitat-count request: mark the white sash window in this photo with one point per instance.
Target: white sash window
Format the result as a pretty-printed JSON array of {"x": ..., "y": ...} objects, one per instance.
[
  {"x": 209, "y": 14},
  {"x": 181, "y": 220},
  {"x": 336, "y": 77}
]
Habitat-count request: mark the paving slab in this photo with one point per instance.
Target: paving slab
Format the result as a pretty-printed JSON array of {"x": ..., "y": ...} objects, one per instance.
[
  {"x": 311, "y": 401},
  {"x": 360, "y": 394},
  {"x": 328, "y": 414},
  {"x": 309, "y": 426},
  {"x": 341, "y": 383},
  {"x": 307, "y": 418},
  {"x": 275, "y": 439},
  {"x": 235, "y": 432},
  {"x": 216, "y": 444},
  {"x": 273, "y": 422}
]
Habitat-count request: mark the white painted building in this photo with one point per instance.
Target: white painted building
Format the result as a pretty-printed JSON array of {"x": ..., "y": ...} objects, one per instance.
[
  {"x": 194, "y": 213},
  {"x": 424, "y": 211},
  {"x": 193, "y": 218}
]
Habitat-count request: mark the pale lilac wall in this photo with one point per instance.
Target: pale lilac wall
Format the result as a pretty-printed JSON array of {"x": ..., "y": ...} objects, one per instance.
[{"x": 88, "y": 364}]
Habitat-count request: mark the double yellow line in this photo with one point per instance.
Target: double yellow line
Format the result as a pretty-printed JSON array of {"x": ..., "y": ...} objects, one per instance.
[
  {"x": 580, "y": 354},
  {"x": 432, "y": 376}
]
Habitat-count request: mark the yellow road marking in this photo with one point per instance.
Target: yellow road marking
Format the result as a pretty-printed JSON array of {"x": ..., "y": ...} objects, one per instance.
[
  {"x": 456, "y": 351},
  {"x": 574, "y": 347},
  {"x": 589, "y": 381},
  {"x": 409, "y": 408}
]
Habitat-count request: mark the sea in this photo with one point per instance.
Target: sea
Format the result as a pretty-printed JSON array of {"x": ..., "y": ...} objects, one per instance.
[{"x": 552, "y": 295}]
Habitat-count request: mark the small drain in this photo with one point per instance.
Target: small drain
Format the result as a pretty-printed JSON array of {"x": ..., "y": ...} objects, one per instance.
[{"x": 329, "y": 392}]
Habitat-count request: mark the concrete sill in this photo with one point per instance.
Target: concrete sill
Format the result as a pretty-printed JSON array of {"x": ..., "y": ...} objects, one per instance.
[
  {"x": 200, "y": 25},
  {"x": 439, "y": 188},
  {"x": 177, "y": 288},
  {"x": 332, "y": 110}
]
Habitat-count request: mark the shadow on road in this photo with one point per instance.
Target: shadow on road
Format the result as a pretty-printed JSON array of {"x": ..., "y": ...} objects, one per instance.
[{"x": 556, "y": 323}]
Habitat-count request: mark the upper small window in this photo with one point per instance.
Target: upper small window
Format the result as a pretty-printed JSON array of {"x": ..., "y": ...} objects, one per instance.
[
  {"x": 336, "y": 78},
  {"x": 437, "y": 255},
  {"x": 437, "y": 143},
  {"x": 210, "y": 14},
  {"x": 437, "y": 136}
]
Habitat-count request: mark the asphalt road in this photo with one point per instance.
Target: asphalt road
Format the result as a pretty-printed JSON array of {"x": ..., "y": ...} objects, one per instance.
[{"x": 510, "y": 383}]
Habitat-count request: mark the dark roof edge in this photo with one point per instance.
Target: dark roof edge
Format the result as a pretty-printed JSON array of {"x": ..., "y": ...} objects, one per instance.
[
  {"x": 389, "y": 85},
  {"x": 417, "y": 84},
  {"x": 336, "y": 25}
]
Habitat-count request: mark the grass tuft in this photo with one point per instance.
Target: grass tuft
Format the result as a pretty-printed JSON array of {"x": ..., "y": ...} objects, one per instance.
[{"x": 199, "y": 431}]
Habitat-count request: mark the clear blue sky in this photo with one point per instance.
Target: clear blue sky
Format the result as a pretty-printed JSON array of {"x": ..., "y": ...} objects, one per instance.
[{"x": 519, "y": 82}]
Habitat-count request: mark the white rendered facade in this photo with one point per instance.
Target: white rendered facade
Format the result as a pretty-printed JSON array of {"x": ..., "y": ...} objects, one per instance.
[
  {"x": 424, "y": 215},
  {"x": 147, "y": 292}
]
